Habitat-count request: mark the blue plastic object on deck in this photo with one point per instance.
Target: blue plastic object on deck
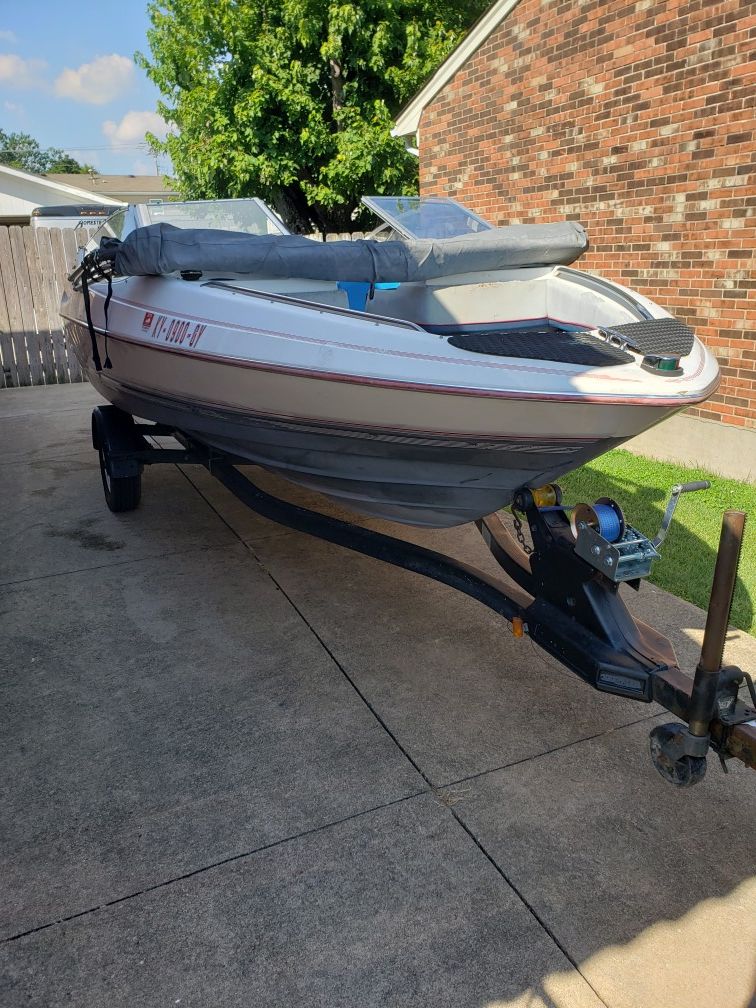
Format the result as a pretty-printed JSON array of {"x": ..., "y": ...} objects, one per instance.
[{"x": 357, "y": 292}]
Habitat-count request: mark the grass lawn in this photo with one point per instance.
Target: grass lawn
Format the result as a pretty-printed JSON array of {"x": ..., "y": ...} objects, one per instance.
[{"x": 641, "y": 486}]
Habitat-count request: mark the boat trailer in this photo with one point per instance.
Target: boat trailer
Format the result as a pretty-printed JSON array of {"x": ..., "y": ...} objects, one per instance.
[{"x": 562, "y": 592}]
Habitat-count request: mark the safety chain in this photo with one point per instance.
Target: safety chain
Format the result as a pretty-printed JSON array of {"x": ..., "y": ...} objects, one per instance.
[{"x": 518, "y": 532}]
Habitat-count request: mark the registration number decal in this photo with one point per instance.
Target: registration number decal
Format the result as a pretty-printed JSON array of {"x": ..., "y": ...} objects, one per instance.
[{"x": 173, "y": 330}]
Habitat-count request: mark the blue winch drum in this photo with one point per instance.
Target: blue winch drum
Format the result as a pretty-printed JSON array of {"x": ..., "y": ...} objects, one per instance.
[{"x": 604, "y": 517}]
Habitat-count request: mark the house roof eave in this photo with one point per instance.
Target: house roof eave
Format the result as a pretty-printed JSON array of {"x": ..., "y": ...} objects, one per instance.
[{"x": 77, "y": 195}]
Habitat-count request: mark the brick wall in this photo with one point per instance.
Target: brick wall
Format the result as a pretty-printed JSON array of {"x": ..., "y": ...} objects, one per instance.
[{"x": 638, "y": 120}]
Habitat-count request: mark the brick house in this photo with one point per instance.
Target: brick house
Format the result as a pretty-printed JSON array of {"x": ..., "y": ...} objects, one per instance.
[{"x": 636, "y": 118}]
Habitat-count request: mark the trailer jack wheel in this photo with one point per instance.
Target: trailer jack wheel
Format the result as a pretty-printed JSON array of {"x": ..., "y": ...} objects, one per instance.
[{"x": 676, "y": 767}]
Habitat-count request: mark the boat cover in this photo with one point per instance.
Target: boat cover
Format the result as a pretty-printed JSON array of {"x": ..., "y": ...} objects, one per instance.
[{"x": 164, "y": 248}]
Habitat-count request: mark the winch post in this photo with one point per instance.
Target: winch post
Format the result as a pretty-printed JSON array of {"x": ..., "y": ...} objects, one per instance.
[{"x": 704, "y": 694}]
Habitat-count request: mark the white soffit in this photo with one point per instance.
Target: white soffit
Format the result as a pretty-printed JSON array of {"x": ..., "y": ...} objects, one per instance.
[{"x": 408, "y": 120}]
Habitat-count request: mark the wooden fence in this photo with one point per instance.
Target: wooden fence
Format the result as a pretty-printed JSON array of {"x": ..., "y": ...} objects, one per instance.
[{"x": 34, "y": 265}]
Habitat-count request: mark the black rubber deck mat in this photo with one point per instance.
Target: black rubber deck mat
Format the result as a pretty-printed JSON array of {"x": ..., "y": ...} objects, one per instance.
[
  {"x": 656, "y": 336},
  {"x": 543, "y": 343}
]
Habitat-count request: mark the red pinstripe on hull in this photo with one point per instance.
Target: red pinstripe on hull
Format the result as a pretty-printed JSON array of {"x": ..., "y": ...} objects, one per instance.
[
  {"x": 328, "y": 376},
  {"x": 405, "y": 354}
]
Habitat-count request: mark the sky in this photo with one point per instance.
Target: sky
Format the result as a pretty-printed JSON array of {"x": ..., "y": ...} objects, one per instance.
[{"x": 68, "y": 78}]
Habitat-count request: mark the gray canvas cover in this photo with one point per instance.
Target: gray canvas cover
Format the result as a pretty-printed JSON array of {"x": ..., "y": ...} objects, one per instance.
[{"x": 164, "y": 248}]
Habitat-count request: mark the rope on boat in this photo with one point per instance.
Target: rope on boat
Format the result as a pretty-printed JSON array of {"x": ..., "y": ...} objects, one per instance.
[{"x": 92, "y": 269}]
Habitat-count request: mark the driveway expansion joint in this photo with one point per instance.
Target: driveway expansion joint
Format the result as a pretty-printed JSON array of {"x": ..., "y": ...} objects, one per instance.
[
  {"x": 528, "y": 906},
  {"x": 320, "y": 640},
  {"x": 547, "y": 752},
  {"x": 115, "y": 563},
  {"x": 214, "y": 864}
]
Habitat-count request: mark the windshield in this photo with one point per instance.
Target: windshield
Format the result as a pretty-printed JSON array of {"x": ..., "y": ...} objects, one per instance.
[
  {"x": 426, "y": 216},
  {"x": 250, "y": 215},
  {"x": 113, "y": 227}
]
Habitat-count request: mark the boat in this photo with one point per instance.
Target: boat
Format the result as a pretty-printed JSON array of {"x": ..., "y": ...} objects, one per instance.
[{"x": 422, "y": 376}]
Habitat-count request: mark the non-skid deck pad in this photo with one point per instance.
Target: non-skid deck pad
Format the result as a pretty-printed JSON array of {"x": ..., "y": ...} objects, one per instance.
[
  {"x": 543, "y": 343},
  {"x": 656, "y": 336}
]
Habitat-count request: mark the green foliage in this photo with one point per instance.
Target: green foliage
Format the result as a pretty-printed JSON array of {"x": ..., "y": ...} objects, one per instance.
[
  {"x": 21, "y": 151},
  {"x": 293, "y": 101},
  {"x": 641, "y": 486},
  {"x": 64, "y": 164}
]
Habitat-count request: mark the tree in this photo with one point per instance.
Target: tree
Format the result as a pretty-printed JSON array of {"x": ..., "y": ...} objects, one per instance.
[
  {"x": 63, "y": 164},
  {"x": 293, "y": 101},
  {"x": 21, "y": 151}
]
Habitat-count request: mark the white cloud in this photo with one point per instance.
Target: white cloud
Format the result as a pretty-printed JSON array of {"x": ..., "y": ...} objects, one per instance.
[
  {"x": 131, "y": 129},
  {"x": 98, "y": 82},
  {"x": 14, "y": 109},
  {"x": 141, "y": 167},
  {"x": 8, "y": 36},
  {"x": 20, "y": 73}
]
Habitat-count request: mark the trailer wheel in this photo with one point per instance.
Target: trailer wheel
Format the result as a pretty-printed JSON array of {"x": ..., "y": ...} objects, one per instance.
[
  {"x": 96, "y": 438},
  {"x": 113, "y": 431},
  {"x": 122, "y": 493},
  {"x": 681, "y": 771}
]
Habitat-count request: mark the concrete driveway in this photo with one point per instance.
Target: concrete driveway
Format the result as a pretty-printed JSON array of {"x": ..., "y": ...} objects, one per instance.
[{"x": 244, "y": 767}]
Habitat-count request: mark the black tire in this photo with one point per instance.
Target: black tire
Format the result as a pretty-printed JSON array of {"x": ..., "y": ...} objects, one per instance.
[
  {"x": 681, "y": 771},
  {"x": 96, "y": 439},
  {"x": 122, "y": 493}
]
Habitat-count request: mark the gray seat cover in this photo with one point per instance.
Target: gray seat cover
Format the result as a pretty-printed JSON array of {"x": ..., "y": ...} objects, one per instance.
[{"x": 164, "y": 248}]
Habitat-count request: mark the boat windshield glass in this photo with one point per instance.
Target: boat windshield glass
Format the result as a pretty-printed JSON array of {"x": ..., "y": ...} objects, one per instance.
[
  {"x": 250, "y": 215},
  {"x": 426, "y": 216},
  {"x": 113, "y": 227}
]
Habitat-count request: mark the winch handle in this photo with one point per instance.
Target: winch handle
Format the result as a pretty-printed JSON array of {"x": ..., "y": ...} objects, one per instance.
[{"x": 677, "y": 489}]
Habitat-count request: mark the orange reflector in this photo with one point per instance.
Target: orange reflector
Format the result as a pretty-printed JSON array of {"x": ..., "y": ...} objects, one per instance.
[{"x": 518, "y": 626}]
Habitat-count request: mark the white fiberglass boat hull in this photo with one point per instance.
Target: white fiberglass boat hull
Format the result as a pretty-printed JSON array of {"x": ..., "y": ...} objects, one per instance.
[
  {"x": 423, "y": 380},
  {"x": 415, "y": 477},
  {"x": 383, "y": 416}
]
